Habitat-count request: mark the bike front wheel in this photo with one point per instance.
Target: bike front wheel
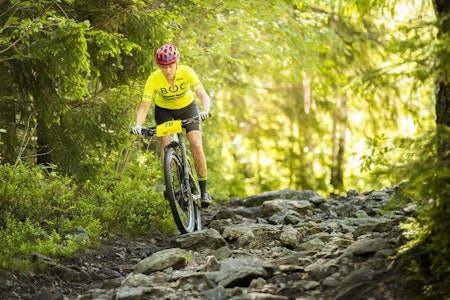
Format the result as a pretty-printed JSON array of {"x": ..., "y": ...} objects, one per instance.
[
  {"x": 195, "y": 195},
  {"x": 178, "y": 192}
]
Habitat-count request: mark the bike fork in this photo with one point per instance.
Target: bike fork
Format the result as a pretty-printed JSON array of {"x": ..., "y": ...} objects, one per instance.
[{"x": 194, "y": 192}]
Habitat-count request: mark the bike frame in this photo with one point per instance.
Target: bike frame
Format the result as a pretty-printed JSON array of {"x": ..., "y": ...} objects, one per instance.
[
  {"x": 188, "y": 187},
  {"x": 177, "y": 141}
]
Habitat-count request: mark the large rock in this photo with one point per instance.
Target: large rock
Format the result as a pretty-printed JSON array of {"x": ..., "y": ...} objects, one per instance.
[
  {"x": 241, "y": 271},
  {"x": 170, "y": 258},
  {"x": 197, "y": 240},
  {"x": 277, "y": 245}
]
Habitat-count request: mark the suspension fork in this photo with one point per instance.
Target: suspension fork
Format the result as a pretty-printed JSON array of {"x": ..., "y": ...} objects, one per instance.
[
  {"x": 178, "y": 142},
  {"x": 185, "y": 161}
]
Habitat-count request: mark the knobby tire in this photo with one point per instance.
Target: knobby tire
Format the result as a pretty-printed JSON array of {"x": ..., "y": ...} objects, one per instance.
[
  {"x": 181, "y": 203},
  {"x": 195, "y": 193}
]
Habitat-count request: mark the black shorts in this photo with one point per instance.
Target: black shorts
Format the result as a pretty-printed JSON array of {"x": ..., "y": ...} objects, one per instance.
[{"x": 163, "y": 115}]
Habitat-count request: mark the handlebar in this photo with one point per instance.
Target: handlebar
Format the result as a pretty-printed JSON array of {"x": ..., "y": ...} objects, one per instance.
[
  {"x": 151, "y": 131},
  {"x": 148, "y": 131}
]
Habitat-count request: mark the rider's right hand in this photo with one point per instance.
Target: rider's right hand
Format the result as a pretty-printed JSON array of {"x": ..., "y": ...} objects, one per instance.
[
  {"x": 137, "y": 129},
  {"x": 204, "y": 115}
]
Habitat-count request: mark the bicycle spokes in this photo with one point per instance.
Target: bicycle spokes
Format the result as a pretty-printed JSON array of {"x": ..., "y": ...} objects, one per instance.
[
  {"x": 179, "y": 192},
  {"x": 182, "y": 190}
]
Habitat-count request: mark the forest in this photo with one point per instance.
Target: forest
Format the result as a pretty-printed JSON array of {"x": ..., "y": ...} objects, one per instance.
[{"x": 306, "y": 94}]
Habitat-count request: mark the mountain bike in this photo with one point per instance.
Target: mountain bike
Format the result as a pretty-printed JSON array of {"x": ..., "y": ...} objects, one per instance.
[{"x": 182, "y": 190}]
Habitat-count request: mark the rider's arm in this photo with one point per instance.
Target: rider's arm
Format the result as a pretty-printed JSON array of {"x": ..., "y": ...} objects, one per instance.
[
  {"x": 204, "y": 98},
  {"x": 142, "y": 112}
]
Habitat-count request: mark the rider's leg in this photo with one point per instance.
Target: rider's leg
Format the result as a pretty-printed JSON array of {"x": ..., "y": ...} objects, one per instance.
[
  {"x": 164, "y": 142},
  {"x": 195, "y": 142}
]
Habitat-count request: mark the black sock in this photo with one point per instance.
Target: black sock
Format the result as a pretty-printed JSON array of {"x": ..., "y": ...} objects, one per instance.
[{"x": 202, "y": 184}]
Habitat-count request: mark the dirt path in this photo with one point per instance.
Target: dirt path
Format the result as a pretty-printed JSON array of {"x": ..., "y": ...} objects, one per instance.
[{"x": 308, "y": 248}]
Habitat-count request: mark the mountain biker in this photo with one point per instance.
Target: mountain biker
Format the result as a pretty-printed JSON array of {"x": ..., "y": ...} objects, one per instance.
[{"x": 172, "y": 87}]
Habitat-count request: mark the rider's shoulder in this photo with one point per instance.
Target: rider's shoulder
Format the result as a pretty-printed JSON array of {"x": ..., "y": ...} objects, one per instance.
[{"x": 155, "y": 74}]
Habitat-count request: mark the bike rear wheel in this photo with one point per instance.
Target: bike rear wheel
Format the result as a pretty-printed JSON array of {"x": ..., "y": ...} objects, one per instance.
[{"x": 178, "y": 193}]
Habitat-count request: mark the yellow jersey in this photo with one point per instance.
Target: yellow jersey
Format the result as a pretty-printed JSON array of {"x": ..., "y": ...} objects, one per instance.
[{"x": 179, "y": 96}]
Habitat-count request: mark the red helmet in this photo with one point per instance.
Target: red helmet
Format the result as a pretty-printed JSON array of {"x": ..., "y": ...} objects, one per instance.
[{"x": 167, "y": 54}]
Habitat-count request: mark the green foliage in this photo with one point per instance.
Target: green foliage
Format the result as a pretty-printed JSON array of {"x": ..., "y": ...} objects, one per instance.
[
  {"x": 378, "y": 154},
  {"x": 135, "y": 204},
  {"x": 36, "y": 213},
  {"x": 255, "y": 78},
  {"x": 58, "y": 62},
  {"x": 86, "y": 48},
  {"x": 27, "y": 193},
  {"x": 73, "y": 71},
  {"x": 42, "y": 210},
  {"x": 393, "y": 160},
  {"x": 431, "y": 236},
  {"x": 94, "y": 132},
  {"x": 426, "y": 186}
]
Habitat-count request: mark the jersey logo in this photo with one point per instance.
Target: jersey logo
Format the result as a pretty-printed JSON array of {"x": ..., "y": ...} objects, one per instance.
[{"x": 173, "y": 89}]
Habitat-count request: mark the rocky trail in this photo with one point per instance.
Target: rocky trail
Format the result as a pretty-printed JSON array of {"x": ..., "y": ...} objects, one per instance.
[{"x": 277, "y": 245}]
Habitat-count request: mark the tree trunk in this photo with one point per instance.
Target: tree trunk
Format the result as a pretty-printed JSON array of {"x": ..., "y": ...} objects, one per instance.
[
  {"x": 8, "y": 142},
  {"x": 443, "y": 120},
  {"x": 335, "y": 146},
  {"x": 442, "y": 81},
  {"x": 338, "y": 152},
  {"x": 342, "y": 132}
]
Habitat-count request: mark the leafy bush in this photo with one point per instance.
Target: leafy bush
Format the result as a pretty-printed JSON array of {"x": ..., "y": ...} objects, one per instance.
[
  {"x": 35, "y": 209},
  {"x": 132, "y": 204},
  {"x": 427, "y": 247},
  {"x": 40, "y": 210}
]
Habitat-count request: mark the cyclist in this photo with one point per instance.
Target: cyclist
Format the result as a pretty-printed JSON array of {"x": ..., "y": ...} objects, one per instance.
[{"x": 171, "y": 88}]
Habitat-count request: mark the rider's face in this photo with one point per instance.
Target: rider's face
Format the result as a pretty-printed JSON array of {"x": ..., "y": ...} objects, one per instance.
[{"x": 169, "y": 70}]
